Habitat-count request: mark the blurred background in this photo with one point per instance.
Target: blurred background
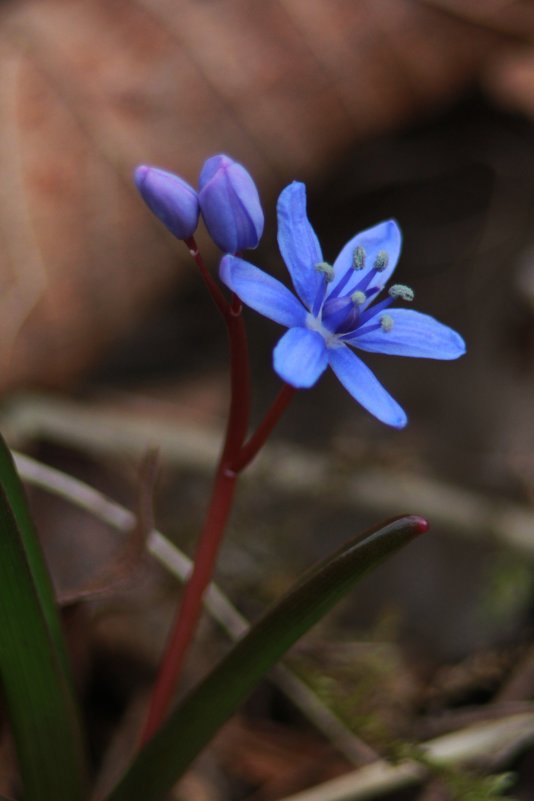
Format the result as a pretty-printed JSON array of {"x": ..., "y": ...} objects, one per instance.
[{"x": 415, "y": 109}]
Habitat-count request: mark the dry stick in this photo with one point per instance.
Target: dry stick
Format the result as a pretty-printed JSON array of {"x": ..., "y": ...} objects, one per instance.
[
  {"x": 217, "y": 604},
  {"x": 520, "y": 684},
  {"x": 286, "y": 468},
  {"x": 122, "y": 565},
  {"x": 504, "y": 737}
]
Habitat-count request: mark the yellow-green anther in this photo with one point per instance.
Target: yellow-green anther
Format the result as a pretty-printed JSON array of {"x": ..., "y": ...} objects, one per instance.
[
  {"x": 402, "y": 291},
  {"x": 327, "y": 269},
  {"x": 358, "y": 259},
  {"x": 381, "y": 261},
  {"x": 386, "y": 322},
  {"x": 358, "y": 298}
]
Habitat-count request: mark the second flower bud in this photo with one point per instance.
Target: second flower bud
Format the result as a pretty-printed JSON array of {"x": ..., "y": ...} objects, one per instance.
[{"x": 230, "y": 205}]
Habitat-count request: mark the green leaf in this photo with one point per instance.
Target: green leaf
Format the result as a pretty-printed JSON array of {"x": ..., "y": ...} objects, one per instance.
[
  {"x": 14, "y": 490},
  {"x": 36, "y": 689},
  {"x": 190, "y": 727}
]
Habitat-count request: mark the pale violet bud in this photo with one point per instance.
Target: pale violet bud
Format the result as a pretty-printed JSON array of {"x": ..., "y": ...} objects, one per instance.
[
  {"x": 230, "y": 205},
  {"x": 170, "y": 198}
]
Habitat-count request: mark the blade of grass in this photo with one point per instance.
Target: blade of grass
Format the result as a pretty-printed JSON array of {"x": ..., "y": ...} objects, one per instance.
[
  {"x": 14, "y": 490},
  {"x": 190, "y": 727},
  {"x": 36, "y": 691}
]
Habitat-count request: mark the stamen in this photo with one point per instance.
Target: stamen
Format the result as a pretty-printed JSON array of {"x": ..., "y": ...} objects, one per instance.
[
  {"x": 402, "y": 291},
  {"x": 326, "y": 269},
  {"x": 358, "y": 298},
  {"x": 381, "y": 261},
  {"x": 373, "y": 311},
  {"x": 386, "y": 322},
  {"x": 358, "y": 259}
]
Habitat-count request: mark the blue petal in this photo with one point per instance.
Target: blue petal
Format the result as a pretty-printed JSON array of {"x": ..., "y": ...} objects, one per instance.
[
  {"x": 298, "y": 243},
  {"x": 261, "y": 292},
  {"x": 385, "y": 236},
  {"x": 412, "y": 334},
  {"x": 300, "y": 357},
  {"x": 212, "y": 166},
  {"x": 358, "y": 379}
]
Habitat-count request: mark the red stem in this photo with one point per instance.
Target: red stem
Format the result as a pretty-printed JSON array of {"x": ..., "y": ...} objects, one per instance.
[
  {"x": 238, "y": 418},
  {"x": 234, "y": 458},
  {"x": 213, "y": 287},
  {"x": 219, "y": 507},
  {"x": 190, "y": 607},
  {"x": 251, "y": 448},
  {"x": 239, "y": 414}
]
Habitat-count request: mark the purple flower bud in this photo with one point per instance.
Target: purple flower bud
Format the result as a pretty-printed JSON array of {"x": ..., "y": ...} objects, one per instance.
[
  {"x": 230, "y": 205},
  {"x": 170, "y": 198}
]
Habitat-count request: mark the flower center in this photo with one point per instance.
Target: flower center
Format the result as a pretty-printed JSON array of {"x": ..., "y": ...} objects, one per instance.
[
  {"x": 342, "y": 314},
  {"x": 359, "y": 258},
  {"x": 337, "y": 316}
]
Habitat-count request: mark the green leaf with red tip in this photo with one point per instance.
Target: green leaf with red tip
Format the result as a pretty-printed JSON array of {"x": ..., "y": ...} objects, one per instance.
[
  {"x": 36, "y": 689},
  {"x": 191, "y": 726}
]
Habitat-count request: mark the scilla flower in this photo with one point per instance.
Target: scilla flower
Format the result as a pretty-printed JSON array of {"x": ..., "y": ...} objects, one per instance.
[
  {"x": 339, "y": 306},
  {"x": 170, "y": 198},
  {"x": 230, "y": 205}
]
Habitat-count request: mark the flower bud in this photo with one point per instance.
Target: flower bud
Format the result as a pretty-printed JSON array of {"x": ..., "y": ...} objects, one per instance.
[
  {"x": 170, "y": 198},
  {"x": 230, "y": 205}
]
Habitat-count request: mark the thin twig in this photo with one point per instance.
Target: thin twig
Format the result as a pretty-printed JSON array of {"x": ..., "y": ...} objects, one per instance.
[
  {"x": 504, "y": 737},
  {"x": 217, "y": 604},
  {"x": 120, "y": 568},
  {"x": 286, "y": 468}
]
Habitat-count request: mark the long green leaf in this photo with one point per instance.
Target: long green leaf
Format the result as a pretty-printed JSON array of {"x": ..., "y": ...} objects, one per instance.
[
  {"x": 35, "y": 688},
  {"x": 14, "y": 490},
  {"x": 190, "y": 727}
]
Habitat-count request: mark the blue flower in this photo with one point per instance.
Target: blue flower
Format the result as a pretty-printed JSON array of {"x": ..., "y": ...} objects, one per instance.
[
  {"x": 170, "y": 198},
  {"x": 337, "y": 306},
  {"x": 230, "y": 205}
]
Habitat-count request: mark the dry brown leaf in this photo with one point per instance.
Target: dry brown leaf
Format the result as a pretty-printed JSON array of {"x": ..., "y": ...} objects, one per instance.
[{"x": 91, "y": 87}]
